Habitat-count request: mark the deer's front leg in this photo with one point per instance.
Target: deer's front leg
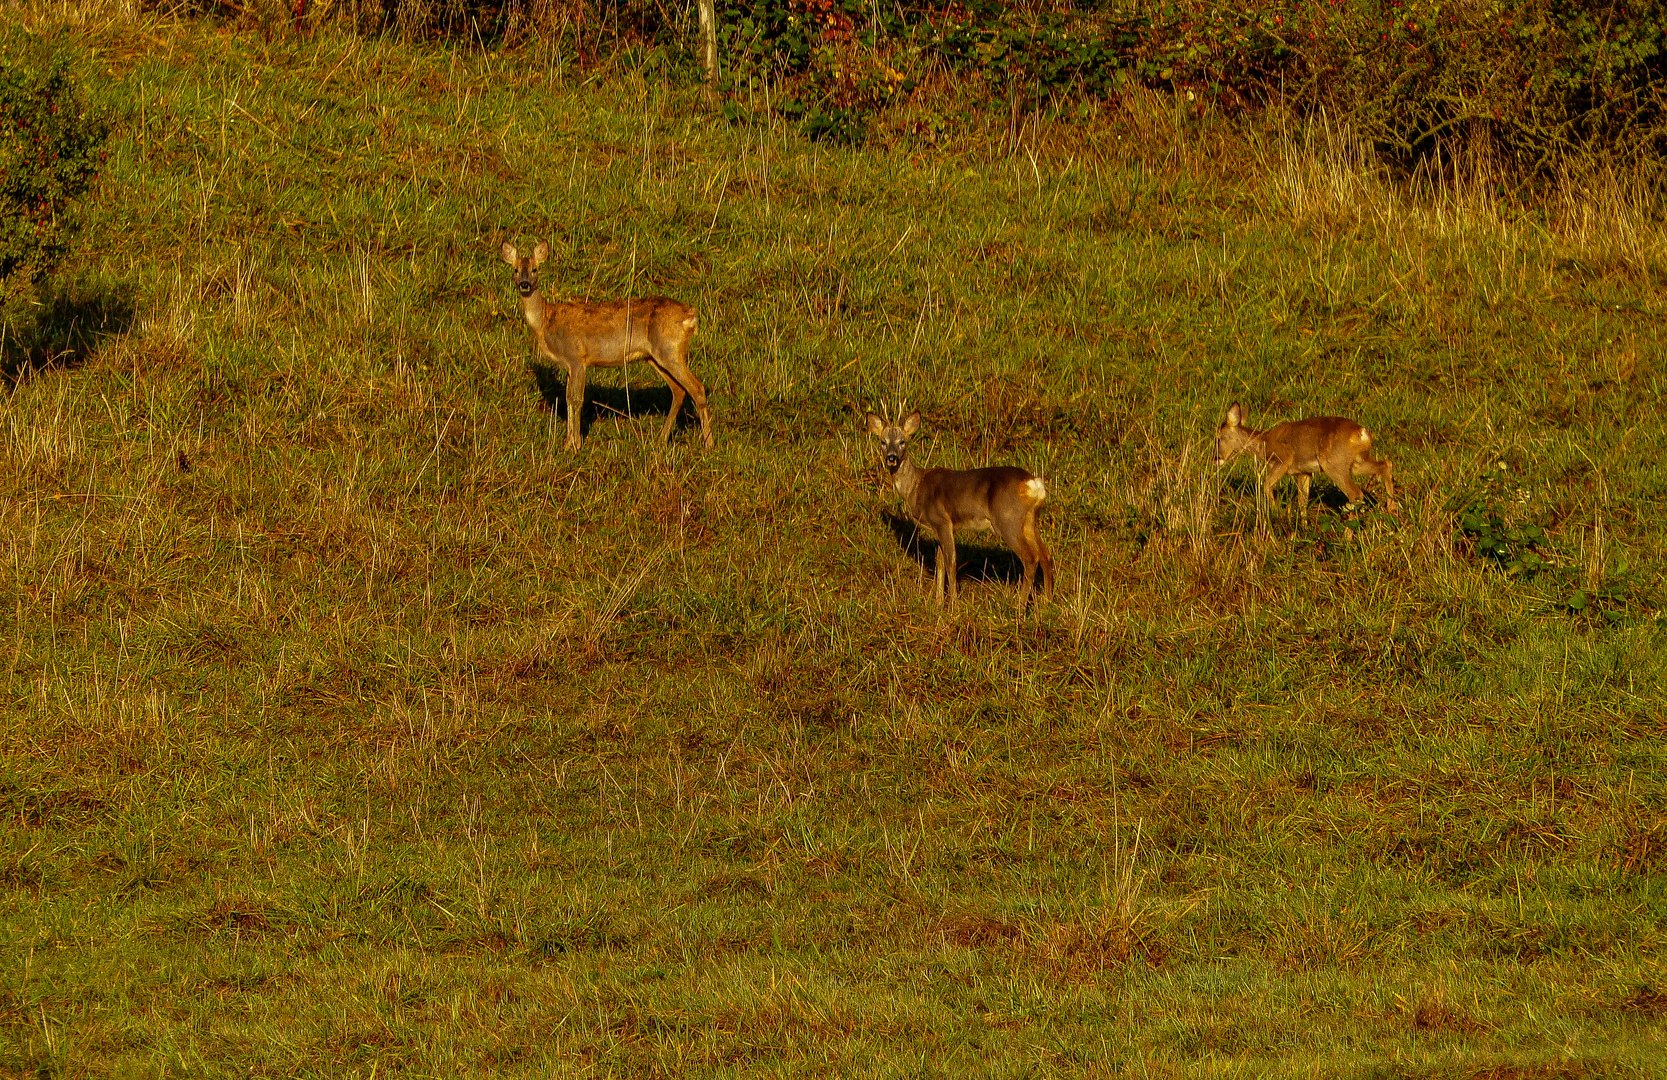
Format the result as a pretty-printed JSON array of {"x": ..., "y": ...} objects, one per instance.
[
  {"x": 1276, "y": 473},
  {"x": 946, "y": 564},
  {"x": 575, "y": 403}
]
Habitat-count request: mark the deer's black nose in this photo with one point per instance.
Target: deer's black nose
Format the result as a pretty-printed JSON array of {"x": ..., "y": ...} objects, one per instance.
[{"x": 525, "y": 287}]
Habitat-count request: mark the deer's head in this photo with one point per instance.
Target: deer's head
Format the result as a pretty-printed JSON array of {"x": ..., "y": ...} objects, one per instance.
[
  {"x": 1232, "y": 436},
  {"x": 525, "y": 270},
  {"x": 894, "y": 437}
]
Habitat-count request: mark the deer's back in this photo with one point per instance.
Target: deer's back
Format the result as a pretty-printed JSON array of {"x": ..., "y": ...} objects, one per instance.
[
  {"x": 646, "y": 308},
  {"x": 636, "y": 325},
  {"x": 1305, "y": 444},
  {"x": 973, "y": 497}
]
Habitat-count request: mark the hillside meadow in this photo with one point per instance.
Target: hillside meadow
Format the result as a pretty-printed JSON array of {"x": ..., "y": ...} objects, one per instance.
[{"x": 351, "y": 727}]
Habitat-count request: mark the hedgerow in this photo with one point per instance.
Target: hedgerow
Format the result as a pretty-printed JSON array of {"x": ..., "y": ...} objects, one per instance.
[{"x": 1540, "y": 80}]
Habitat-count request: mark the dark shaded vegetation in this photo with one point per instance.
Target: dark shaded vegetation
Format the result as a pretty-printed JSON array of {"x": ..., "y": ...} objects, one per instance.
[
  {"x": 65, "y": 330},
  {"x": 974, "y": 561},
  {"x": 603, "y": 399}
]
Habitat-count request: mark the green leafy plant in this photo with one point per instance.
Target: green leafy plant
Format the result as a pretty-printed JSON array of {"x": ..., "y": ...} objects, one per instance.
[
  {"x": 1608, "y": 599},
  {"x": 1515, "y": 549},
  {"x": 829, "y": 63},
  {"x": 1491, "y": 523}
]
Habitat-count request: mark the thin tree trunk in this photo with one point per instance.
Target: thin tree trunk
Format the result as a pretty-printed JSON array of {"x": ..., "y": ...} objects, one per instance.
[{"x": 708, "y": 10}]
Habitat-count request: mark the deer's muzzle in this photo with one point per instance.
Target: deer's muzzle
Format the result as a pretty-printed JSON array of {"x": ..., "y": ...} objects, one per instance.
[{"x": 525, "y": 288}]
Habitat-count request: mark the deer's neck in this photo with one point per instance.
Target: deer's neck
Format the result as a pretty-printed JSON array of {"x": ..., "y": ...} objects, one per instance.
[
  {"x": 907, "y": 481},
  {"x": 536, "y": 310}
]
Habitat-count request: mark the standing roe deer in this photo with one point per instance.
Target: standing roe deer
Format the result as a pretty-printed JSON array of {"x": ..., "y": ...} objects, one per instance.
[
  {"x": 1001, "y": 498},
  {"x": 581, "y": 335},
  {"x": 1330, "y": 444}
]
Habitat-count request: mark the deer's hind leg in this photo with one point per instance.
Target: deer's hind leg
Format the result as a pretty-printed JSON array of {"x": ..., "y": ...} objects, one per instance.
[
  {"x": 1033, "y": 554},
  {"x": 678, "y": 397},
  {"x": 1343, "y": 476},
  {"x": 1043, "y": 556},
  {"x": 1380, "y": 468},
  {"x": 1017, "y": 528},
  {"x": 673, "y": 362}
]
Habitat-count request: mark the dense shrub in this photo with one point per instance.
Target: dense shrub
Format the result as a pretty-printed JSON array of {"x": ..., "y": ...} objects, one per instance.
[
  {"x": 1538, "y": 79},
  {"x": 49, "y": 153}
]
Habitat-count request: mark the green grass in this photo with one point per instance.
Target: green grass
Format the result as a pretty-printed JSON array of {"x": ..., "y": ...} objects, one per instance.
[{"x": 351, "y": 727}]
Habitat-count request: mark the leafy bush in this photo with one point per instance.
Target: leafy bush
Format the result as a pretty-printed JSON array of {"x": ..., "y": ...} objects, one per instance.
[
  {"x": 1539, "y": 80},
  {"x": 831, "y": 64},
  {"x": 1020, "y": 53},
  {"x": 49, "y": 153}
]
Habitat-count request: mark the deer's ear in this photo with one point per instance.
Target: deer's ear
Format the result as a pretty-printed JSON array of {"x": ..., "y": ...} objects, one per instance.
[
  {"x": 1235, "y": 414},
  {"x": 911, "y": 423},
  {"x": 508, "y": 252},
  {"x": 540, "y": 253},
  {"x": 875, "y": 424}
]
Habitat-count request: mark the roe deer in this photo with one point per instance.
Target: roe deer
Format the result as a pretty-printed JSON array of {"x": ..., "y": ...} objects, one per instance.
[
  {"x": 1330, "y": 444},
  {"x": 1001, "y": 498},
  {"x": 581, "y": 335}
]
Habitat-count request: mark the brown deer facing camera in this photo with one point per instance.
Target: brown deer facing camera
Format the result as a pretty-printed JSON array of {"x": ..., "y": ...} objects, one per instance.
[
  {"x": 580, "y": 335},
  {"x": 1001, "y": 498},
  {"x": 1330, "y": 444}
]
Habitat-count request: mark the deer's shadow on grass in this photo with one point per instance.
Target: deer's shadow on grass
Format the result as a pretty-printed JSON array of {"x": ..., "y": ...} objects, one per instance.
[
  {"x": 66, "y": 331},
  {"x": 974, "y": 562},
  {"x": 602, "y": 399},
  {"x": 1323, "y": 495}
]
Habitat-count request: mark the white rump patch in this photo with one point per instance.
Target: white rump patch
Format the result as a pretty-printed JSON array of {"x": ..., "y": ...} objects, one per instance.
[{"x": 1035, "y": 490}]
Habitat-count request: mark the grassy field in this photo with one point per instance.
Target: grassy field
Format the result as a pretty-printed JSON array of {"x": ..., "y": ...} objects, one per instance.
[{"x": 350, "y": 727}]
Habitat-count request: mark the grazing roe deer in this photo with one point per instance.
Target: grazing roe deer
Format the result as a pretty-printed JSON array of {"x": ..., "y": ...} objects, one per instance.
[
  {"x": 581, "y": 335},
  {"x": 1330, "y": 444},
  {"x": 1001, "y": 498}
]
